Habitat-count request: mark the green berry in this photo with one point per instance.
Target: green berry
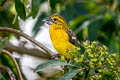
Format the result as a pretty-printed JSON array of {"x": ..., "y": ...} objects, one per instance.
[
  {"x": 105, "y": 48},
  {"x": 81, "y": 59},
  {"x": 102, "y": 59},
  {"x": 100, "y": 76},
  {"x": 100, "y": 64}
]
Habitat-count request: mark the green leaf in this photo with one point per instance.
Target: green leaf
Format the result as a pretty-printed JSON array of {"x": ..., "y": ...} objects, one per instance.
[
  {"x": 118, "y": 76},
  {"x": 6, "y": 19},
  {"x": 93, "y": 28},
  {"x": 38, "y": 24},
  {"x": 2, "y": 2},
  {"x": 25, "y": 2},
  {"x": 7, "y": 61},
  {"x": 53, "y": 3},
  {"x": 35, "y": 7},
  {"x": 2, "y": 77},
  {"x": 70, "y": 74},
  {"x": 51, "y": 63},
  {"x": 19, "y": 6},
  {"x": 91, "y": 72},
  {"x": 2, "y": 43}
]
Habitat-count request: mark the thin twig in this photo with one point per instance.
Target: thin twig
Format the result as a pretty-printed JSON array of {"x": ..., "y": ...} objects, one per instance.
[
  {"x": 7, "y": 69},
  {"x": 27, "y": 37},
  {"x": 15, "y": 63}
]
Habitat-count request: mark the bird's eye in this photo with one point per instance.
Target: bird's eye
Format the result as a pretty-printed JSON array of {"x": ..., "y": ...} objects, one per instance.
[{"x": 54, "y": 19}]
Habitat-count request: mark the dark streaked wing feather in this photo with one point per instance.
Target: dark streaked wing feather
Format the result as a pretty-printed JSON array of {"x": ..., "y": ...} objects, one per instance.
[{"x": 72, "y": 37}]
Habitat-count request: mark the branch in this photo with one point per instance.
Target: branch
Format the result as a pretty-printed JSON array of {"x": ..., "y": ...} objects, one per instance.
[
  {"x": 7, "y": 69},
  {"x": 27, "y": 37},
  {"x": 15, "y": 63},
  {"x": 29, "y": 51}
]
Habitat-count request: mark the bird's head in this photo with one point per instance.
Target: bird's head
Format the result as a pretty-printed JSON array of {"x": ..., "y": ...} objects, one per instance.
[{"x": 56, "y": 21}]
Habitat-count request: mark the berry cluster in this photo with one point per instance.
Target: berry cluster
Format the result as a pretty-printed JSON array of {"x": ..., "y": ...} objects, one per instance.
[{"x": 95, "y": 62}]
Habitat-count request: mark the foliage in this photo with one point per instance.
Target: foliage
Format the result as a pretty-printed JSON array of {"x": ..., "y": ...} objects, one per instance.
[
  {"x": 93, "y": 20},
  {"x": 91, "y": 62},
  {"x": 50, "y": 64},
  {"x": 6, "y": 60},
  {"x": 20, "y": 9},
  {"x": 2, "y": 44}
]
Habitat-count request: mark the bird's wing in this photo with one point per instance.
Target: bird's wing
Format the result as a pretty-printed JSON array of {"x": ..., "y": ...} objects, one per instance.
[{"x": 72, "y": 37}]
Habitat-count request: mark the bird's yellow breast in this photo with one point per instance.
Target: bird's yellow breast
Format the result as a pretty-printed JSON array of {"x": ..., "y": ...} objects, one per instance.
[{"x": 60, "y": 40}]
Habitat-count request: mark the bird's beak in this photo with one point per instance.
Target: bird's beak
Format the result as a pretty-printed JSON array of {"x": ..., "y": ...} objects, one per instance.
[{"x": 48, "y": 20}]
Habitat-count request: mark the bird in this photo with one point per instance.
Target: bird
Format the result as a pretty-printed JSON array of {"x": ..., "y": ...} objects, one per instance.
[{"x": 62, "y": 37}]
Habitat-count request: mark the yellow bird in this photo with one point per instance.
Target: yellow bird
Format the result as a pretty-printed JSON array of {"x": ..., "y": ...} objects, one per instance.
[{"x": 61, "y": 36}]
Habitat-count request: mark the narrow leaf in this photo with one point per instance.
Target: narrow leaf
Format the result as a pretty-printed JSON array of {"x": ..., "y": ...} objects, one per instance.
[
  {"x": 2, "y": 2},
  {"x": 51, "y": 63},
  {"x": 35, "y": 7},
  {"x": 2, "y": 77},
  {"x": 91, "y": 72},
  {"x": 38, "y": 24},
  {"x": 8, "y": 62},
  {"x": 94, "y": 27},
  {"x": 70, "y": 74},
  {"x": 118, "y": 76},
  {"x": 19, "y": 6},
  {"x": 2, "y": 43},
  {"x": 53, "y": 3}
]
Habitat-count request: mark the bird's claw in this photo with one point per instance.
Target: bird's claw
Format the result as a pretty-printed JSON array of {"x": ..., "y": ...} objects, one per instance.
[{"x": 56, "y": 56}]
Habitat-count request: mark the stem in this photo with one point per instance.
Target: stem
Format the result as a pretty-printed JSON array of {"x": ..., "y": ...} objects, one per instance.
[
  {"x": 15, "y": 63},
  {"x": 27, "y": 37},
  {"x": 11, "y": 74}
]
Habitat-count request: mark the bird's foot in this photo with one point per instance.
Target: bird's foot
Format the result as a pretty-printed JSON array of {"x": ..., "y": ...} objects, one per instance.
[{"x": 56, "y": 56}]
